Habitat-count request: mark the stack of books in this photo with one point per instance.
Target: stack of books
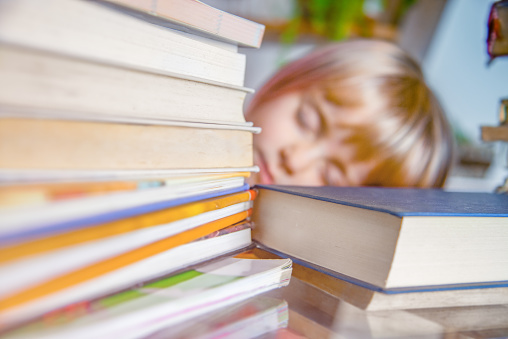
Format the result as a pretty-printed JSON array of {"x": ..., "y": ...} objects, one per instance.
[{"x": 123, "y": 157}]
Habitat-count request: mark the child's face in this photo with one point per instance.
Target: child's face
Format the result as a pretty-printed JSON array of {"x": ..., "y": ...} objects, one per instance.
[{"x": 302, "y": 144}]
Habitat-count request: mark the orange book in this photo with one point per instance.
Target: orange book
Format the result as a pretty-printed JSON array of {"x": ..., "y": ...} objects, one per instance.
[
  {"x": 97, "y": 269},
  {"x": 118, "y": 227},
  {"x": 40, "y": 193},
  {"x": 36, "y": 193}
]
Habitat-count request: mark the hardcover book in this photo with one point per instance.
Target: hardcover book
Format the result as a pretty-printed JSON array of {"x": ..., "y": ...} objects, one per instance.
[{"x": 388, "y": 238}]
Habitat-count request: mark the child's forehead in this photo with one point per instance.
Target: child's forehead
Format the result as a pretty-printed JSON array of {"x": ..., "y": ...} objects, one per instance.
[{"x": 339, "y": 114}]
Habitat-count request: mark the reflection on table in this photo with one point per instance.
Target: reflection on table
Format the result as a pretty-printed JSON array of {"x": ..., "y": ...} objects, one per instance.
[{"x": 314, "y": 313}]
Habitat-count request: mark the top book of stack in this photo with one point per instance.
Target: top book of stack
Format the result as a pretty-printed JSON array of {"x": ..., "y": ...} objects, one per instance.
[
  {"x": 184, "y": 37},
  {"x": 198, "y": 18}
]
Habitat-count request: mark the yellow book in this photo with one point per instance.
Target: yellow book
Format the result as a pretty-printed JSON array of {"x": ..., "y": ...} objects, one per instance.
[
  {"x": 123, "y": 260},
  {"x": 82, "y": 145},
  {"x": 26, "y": 193},
  {"x": 71, "y": 238}
]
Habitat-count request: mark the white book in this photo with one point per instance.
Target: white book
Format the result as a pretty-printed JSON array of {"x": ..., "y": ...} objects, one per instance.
[
  {"x": 27, "y": 272},
  {"x": 173, "y": 300},
  {"x": 90, "y": 31},
  {"x": 48, "y": 84},
  {"x": 18, "y": 223}
]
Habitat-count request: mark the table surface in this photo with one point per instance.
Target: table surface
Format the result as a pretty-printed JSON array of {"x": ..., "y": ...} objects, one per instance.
[{"x": 314, "y": 313}]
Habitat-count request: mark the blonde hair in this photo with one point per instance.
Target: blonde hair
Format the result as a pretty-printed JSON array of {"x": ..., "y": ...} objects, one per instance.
[{"x": 400, "y": 123}]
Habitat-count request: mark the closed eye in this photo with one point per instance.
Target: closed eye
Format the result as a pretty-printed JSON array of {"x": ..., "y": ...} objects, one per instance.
[{"x": 309, "y": 119}]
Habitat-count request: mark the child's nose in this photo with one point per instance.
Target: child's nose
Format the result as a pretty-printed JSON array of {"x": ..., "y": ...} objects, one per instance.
[{"x": 300, "y": 156}]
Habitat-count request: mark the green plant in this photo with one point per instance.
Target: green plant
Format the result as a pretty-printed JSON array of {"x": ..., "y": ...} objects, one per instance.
[{"x": 339, "y": 19}]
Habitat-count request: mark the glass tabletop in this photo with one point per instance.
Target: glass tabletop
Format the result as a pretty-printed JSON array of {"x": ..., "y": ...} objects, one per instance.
[{"x": 314, "y": 313}]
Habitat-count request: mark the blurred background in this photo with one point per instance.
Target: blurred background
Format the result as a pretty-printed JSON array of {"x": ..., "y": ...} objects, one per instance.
[{"x": 447, "y": 37}]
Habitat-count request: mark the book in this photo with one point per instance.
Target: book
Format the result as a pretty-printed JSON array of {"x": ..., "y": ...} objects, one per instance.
[
  {"x": 81, "y": 145},
  {"x": 22, "y": 224},
  {"x": 62, "y": 87},
  {"x": 61, "y": 284},
  {"x": 13, "y": 177},
  {"x": 199, "y": 17},
  {"x": 35, "y": 194},
  {"x": 497, "y": 23},
  {"x": 27, "y": 193},
  {"x": 494, "y": 133},
  {"x": 172, "y": 300},
  {"x": 388, "y": 239},
  {"x": 89, "y": 31},
  {"x": 503, "y": 111},
  {"x": 27, "y": 263},
  {"x": 252, "y": 318},
  {"x": 375, "y": 300},
  {"x": 166, "y": 262}
]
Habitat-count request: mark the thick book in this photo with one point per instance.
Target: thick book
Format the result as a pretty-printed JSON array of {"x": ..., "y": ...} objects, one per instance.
[
  {"x": 388, "y": 238},
  {"x": 169, "y": 261},
  {"x": 89, "y": 31},
  {"x": 141, "y": 311},
  {"x": 82, "y": 145},
  {"x": 63, "y": 87}
]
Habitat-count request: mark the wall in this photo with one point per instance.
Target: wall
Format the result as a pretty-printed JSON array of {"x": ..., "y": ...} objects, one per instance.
[{"x": 456, "y": 68}]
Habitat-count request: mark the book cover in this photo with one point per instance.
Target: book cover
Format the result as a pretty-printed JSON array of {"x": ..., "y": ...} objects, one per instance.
[
  {"x": 173, "y": 220},
  {"x": 25, "y": 194},
  {"x": 29, "y": 263},
  {"x": 21, "y": 224},
  {"x": 387, "y": 237},
  {"x": 405, "y": 201}
]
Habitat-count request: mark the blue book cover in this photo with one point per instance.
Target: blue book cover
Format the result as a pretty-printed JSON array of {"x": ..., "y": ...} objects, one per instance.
[
  {"x": 403, "y": 202},
  {"x": 400, "y": 239},
  {"x": 50, "y": 228}
]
